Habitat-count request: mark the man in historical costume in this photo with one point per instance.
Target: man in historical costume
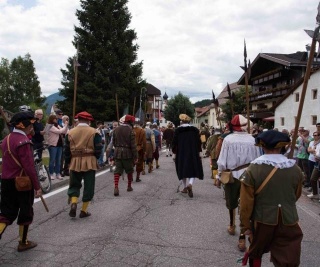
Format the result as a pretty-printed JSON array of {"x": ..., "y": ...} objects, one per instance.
[
  {"x": 237, "y": 151},
  {"x": 141, "y": 143},
  {"x": 211, "y": 151},
  {"x": 18, "y": 160},
  {"x": 186, "y": 146},
  {"x": 270, "y": 188},
  {"x": 125, "y": 151},
  {"x": 100, "y": 129},
  {"x": 168, "y": 137},
  {"x": 151, "y": 145},
  {"x": 83, "y": 145},
  {"x": 157, "y": 141}
]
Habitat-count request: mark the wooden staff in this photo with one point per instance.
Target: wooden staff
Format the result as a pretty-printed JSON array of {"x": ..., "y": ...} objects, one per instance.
[
  {"x": 303, "y": 92},
  {"x": 117, "y": 107},
  {"x": 44, "y": 203}
]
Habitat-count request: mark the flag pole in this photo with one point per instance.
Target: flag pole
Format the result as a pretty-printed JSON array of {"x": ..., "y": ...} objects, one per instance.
[
  {"x": 315, "y": 38},
  {"x": 75, "y": 66}
]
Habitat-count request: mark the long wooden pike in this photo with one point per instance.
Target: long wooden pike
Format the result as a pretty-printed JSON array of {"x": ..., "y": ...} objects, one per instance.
[
  {"x": 315, "y": 38},
  {"x": 246, "y": 84},
  {"x": 75, "y": 68}
]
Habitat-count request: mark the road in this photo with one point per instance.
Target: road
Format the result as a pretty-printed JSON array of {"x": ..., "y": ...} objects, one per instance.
[{"x": 151, "y": 226}]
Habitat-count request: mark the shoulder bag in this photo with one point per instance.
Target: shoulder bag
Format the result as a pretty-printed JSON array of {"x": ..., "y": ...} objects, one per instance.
[
  {"x": 226, "y": 175},
  {"x": 22, "y": 183}
]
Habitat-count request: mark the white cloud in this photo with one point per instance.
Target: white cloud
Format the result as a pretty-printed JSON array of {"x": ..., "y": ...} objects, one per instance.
[{"x": 189, "y": 46}]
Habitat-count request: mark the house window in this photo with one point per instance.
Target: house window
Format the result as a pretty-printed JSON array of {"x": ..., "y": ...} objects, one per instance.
[
  {"x": 282, "y": 121},
  {"x": 314, "y": 119},
  {"x": 297, "y": 97},
  {"x": 314, "y": 94}
]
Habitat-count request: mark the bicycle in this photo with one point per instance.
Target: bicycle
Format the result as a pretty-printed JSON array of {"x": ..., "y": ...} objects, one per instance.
[{"x": 42, "y": 172}]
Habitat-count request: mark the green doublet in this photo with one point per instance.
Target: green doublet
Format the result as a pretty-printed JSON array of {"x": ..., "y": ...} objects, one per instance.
[{"x": 279, "y": 194}]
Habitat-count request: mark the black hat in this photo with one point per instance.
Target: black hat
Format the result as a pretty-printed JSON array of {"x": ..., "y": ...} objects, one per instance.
[
  {"x": 272, "y": 139},
  {"x": 59, "y": 112},
  {"x": 22, "y": 119}
]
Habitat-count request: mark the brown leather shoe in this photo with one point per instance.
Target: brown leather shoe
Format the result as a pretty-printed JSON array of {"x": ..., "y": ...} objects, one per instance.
[
  {"x": 84, "y": 214},
  {"x": 218, "y": 183},
  {"x": 184, "y": 190},
  {"x": 190, "y": 193},
  {"x": 242, "y": 244},
  {"x": 116, "y": 192},
  {"x": 73, "y": 210},
  {"x": 232, "y": 229},
  {"x": 129, "y": 189},
  {"x": 25, "y": 246}
]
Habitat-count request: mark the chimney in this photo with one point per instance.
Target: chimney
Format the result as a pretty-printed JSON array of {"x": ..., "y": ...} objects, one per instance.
[{"x": 308, "y": 48}]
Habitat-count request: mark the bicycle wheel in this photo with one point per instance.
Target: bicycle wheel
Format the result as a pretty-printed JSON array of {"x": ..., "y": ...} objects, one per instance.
[{"x": 44, "y": 178}]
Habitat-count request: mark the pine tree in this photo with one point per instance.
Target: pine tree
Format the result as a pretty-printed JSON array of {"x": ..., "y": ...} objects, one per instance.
[{"x": 107, "y": 61}]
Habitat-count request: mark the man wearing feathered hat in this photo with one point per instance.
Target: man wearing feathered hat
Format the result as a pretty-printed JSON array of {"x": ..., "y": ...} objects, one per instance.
[
  {"x": 270, "y": 188},
  {"x": 83, "y": 145},
  {"x": 168, "y": 137},
  {"x": 141, "y": 143},
  {"x": 18, "y": 160},
  {"x": 237, "y": 151},
  {"x": 125, "y": 151},
  {"x": 186, "y": 146}
]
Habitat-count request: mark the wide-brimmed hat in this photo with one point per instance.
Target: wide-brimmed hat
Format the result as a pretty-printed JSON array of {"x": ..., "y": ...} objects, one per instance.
[
  {"x": 22, "y": 119},
  {"x": 184, "y": 117},
  {"x": 84, "y": 115},
  {"x": 272, "y": 139}
]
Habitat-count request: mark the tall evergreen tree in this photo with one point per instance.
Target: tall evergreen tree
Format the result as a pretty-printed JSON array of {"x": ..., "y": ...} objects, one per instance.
[
  {"x": 107, "y": 61},
  {"x": 177, "y": 105},
  {"x": 19, "y": 84}
]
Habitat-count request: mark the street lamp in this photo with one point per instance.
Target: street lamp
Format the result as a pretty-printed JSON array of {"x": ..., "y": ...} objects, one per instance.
[{"x": 142, "y": 89}]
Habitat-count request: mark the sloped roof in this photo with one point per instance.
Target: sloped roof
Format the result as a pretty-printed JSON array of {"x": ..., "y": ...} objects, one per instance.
[
  {"x": 202, "y": 111},
  {"x": 298, "y": 59},
  {"x": 152, "y": 90},
  {"x": 222, "y": 98}
]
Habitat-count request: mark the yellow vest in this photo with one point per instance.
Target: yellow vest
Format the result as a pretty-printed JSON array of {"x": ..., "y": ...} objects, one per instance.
[{"x": 81, "y": 140}]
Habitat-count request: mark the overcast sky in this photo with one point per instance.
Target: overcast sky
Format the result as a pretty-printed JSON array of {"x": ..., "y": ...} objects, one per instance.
[{"x": 192, "y": 46}]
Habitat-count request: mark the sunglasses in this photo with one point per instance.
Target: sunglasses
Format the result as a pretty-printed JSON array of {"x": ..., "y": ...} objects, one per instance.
[{"x": 315, "y": 135}]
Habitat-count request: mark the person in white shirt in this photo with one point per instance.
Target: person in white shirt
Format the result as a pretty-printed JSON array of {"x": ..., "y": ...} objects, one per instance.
[{"x": 237, "y": 151}]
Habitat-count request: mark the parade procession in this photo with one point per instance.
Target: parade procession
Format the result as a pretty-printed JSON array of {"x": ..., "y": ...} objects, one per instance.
[{"x": 111, "y": 171}]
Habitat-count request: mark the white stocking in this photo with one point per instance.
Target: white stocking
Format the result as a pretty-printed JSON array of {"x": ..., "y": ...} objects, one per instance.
[
  {"x": 184, "y": 181},
  {"x": 191, "y": 180}
]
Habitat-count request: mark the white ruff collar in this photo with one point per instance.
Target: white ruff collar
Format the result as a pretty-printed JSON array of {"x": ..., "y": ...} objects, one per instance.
[{"x": 276, "y": 160}]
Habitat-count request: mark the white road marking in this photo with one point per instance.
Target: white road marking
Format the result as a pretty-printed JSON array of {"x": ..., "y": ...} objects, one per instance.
[{"x": 63, "y": 188}]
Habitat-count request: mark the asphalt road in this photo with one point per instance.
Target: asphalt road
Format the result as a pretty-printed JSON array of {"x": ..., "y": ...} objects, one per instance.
[{"x": 151, "y": 226}]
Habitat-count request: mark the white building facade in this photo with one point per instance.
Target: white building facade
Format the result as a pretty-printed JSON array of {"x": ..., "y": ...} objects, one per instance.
[{"x": 286, "y": 112}]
